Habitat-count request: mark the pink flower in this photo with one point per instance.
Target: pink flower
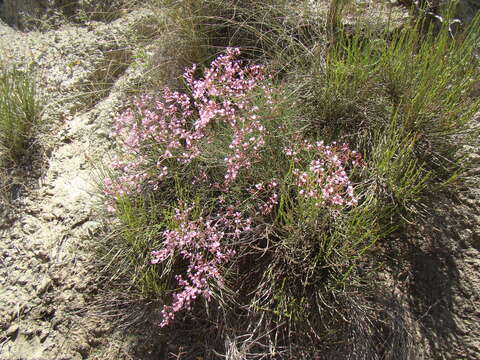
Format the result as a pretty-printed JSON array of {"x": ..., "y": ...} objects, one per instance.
[
  {"x": 200, "y": 243},
  {"x": 326, "y": 180}
]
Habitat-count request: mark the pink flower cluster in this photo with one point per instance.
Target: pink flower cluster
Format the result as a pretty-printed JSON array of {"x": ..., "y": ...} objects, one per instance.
[
  {"x": 175, "y": 126},
  {"x": 199, "y": 241},
  {"x": 225, "y": 94},
  {"x": 325, "y": 180}
]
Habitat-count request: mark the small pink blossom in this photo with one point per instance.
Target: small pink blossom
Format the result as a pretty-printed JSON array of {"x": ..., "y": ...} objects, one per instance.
[{"x": 326, "y": 180}]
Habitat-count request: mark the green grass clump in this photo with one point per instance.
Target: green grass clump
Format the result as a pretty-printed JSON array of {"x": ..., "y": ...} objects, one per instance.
[
  {"x": 403, "y": 99},
  {"x": 19, "y": 112}
]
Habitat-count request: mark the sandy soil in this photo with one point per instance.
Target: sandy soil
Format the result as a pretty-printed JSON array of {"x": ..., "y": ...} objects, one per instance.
[{"x": 49, "y": 231}]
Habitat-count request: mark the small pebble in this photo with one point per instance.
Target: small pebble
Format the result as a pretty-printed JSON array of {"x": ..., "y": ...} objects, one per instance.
[
  {"x": 12, "y": 330},
  {"x": 44, "y": 286},
  {"x": 43, "y": 335}
]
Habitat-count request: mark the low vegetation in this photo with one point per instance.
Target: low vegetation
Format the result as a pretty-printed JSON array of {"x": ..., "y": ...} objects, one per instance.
[
  {"x": 252, "y": 197},
  {"x": 19, "y": 112}
]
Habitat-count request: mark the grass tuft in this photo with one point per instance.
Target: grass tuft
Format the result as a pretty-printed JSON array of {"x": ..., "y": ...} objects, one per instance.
[{"x": 19, "y": 112}]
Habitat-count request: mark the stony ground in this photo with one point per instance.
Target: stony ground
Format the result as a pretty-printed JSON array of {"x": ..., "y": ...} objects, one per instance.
[{"x": 48, "y": 231}]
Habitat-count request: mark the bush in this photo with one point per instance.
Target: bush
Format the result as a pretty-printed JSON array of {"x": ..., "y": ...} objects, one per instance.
[{"x": 236, "y": 180}]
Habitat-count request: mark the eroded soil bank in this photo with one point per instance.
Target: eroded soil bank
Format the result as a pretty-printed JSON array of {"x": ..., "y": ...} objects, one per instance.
[{"x": 50, "y": 226}]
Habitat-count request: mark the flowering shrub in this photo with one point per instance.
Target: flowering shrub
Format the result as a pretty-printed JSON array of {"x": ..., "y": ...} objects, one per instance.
[{"x": 217, "y": 139}]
